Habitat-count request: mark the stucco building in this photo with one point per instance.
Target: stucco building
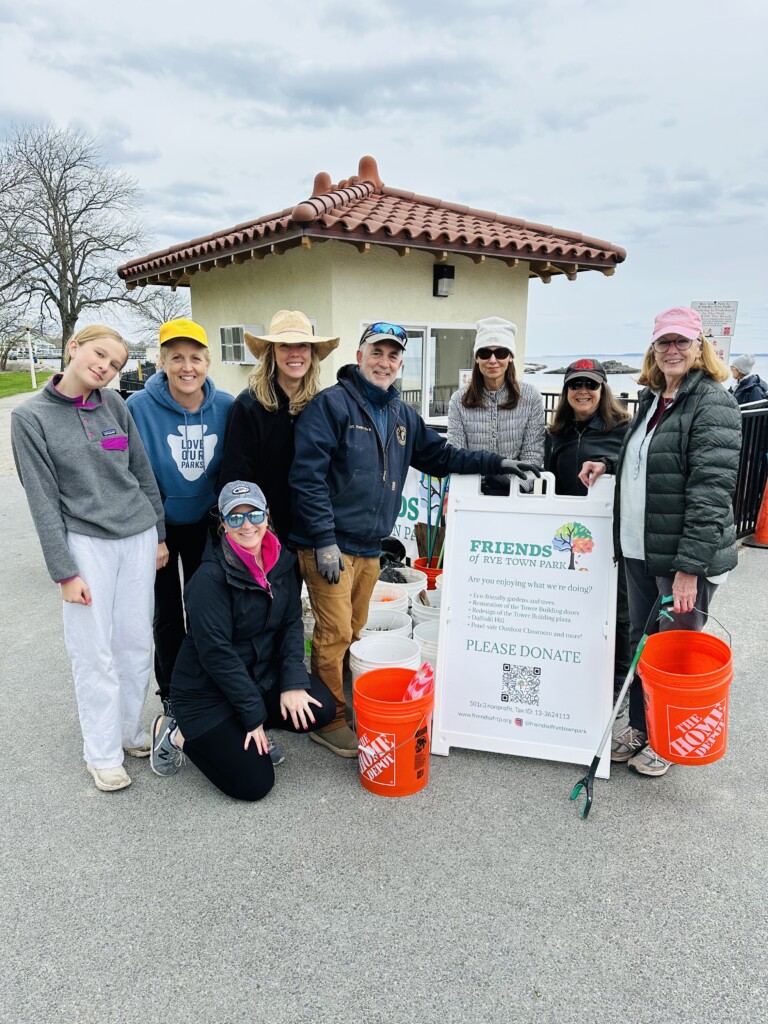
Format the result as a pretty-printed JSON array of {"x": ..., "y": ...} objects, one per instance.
[{"x": 360, "y": 251}]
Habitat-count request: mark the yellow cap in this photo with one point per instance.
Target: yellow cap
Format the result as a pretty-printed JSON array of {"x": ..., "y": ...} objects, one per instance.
[{"x": 174, "y": 330}]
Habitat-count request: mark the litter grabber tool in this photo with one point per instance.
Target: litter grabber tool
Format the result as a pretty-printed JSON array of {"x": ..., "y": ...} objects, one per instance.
[{"x": 588, "y": 781}]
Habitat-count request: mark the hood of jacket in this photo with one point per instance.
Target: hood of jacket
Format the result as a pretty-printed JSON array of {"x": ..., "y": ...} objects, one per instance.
[{"x": 184, "y": 447}]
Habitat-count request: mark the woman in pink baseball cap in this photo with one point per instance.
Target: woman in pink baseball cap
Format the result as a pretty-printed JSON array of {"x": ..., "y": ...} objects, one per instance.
[{"x": 673, "y": 513}]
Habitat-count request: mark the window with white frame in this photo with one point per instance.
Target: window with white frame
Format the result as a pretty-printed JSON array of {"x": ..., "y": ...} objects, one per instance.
[{"x": 233, "y": 346}]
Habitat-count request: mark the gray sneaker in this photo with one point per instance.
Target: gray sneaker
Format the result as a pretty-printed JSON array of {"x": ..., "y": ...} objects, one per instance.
[
  {"x": 625, "y": 742},
  {"x": 648, "y": 762},
  {"x": 165, "y": 758},
  {"x": 276, "y": 752}
]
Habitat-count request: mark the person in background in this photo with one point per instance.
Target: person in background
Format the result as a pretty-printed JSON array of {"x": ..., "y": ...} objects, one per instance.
[
  {"x": 589, "y": 425},
  {"x": 181, "y": 418},
  {"x": 241, "y": 666},
  {"x": 750, "y": 387},
  {"x": 673, "y": 514},
  {"x": 494, "y": 412},
  {"x": 354, "y": 444},
  {"x": 99, "y": 517},
  {"x": 259, "y": 442}
]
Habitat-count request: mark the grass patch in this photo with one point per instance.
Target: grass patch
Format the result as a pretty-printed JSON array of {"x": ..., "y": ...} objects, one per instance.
[{"x": 18, "y": 382}]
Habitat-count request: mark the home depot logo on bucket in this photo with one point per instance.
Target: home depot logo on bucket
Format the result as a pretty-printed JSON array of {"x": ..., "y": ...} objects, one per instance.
[
  {"x": 693, "y": 735},
  {"x": 376, "y": 757}
]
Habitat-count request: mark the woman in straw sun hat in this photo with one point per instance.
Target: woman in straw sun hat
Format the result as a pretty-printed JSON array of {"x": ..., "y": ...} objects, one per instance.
[{"x": 258, "y": 444}]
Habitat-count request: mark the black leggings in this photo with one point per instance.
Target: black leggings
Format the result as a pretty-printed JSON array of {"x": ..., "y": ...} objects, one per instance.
[
  {"x": 185, "y": 542},
  {"x": 247, "y": 774}
]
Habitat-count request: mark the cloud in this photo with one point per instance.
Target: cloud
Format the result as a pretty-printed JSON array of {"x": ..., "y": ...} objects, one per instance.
[
  {"x": 115, "y": 139},
  {"x": 751, "y": 193}
]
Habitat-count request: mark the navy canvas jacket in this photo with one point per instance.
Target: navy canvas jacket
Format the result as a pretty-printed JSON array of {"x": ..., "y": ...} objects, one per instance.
[
  {"x": 242, "y": 641},
  {"x": 347, "y": 480}
]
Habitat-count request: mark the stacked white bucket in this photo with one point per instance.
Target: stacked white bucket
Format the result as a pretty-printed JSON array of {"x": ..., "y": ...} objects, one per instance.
[{"x": 385, "y": 641}]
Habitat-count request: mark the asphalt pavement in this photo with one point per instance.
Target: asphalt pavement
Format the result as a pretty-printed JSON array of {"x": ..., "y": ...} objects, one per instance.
[{"x": 484, "y": 898}]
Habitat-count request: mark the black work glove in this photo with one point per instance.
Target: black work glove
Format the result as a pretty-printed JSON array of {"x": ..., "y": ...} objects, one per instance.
[
  {"x": 519, "y": 468},
  {"x": 330, "y": 562}
]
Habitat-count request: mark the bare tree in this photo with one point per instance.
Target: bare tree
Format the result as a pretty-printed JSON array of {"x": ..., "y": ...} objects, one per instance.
[
  {"x": 157, "y": 305},
  {"x": 68, "y": 219}
]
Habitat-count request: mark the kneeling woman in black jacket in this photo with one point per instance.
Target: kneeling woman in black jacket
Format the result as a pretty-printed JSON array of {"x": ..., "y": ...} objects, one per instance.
[{"x": 241, "y": 666}]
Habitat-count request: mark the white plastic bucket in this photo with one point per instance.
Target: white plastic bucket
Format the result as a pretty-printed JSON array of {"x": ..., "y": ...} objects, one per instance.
[
  {"x": 426, "y": 634},
  {"x": 392, "y": 596},
  {"x": 427, "y": 613},
  {"x": 415, "y": 580},
  {"x": 382, "y": 620},
  {"x": 389, "y": 651},
  {"x": 439, "y": 582}
]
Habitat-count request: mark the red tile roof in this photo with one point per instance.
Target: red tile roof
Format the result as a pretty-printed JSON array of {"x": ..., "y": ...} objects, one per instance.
[{"x": 362, "y": 210}]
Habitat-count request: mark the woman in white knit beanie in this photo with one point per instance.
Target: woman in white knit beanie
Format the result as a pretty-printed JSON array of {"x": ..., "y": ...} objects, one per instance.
[{"x": 494, "y": 412}]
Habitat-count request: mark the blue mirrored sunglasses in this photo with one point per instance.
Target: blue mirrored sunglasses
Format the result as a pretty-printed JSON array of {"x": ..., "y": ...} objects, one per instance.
[
  {"x": 380, "y": 327},
  {"x": 236, "y": 519}
]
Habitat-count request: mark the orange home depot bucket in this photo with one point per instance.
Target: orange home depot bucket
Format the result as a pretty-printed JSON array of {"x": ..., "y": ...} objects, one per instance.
[
  {"x": 431, "y": 570},
  {"x": 686, "y": 677},
  {"x": 393, "y": 735}
]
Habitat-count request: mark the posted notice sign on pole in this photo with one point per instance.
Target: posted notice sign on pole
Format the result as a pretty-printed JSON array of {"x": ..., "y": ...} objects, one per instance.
[{"x": 525, "y": 658}]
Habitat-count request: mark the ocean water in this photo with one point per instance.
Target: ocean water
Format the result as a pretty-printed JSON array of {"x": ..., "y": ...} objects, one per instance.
[{"x": 619, "y": 382}]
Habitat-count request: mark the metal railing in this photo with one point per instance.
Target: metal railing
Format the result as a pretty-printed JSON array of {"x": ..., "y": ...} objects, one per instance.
[{"x": 753, "y": 467}]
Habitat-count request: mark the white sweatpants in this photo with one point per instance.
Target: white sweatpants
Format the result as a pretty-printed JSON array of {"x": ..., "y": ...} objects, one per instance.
[{"x": 110, "y": 642}]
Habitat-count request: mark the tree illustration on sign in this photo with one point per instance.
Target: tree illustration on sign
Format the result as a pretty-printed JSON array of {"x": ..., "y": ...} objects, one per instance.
[{"x": 573, "y": 537}]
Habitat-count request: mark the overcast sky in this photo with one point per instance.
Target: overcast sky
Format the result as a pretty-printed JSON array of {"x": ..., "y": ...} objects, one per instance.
[{"x": 640, "y": 123}]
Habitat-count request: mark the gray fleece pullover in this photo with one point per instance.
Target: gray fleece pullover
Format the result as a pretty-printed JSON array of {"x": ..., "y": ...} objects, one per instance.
[{"x": 84, "y": 470}]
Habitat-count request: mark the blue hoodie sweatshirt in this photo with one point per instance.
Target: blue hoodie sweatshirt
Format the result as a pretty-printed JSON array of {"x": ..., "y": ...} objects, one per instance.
[{"x": 185, "y": 448}]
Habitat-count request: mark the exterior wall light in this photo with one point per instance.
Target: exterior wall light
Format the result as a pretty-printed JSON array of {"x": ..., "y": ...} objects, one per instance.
[{"x": 443, "y": 280}]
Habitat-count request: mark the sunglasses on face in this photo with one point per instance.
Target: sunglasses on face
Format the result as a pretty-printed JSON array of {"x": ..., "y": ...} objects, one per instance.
[
  {"x": 236, "y": 519},
  {"x": 500, "y": 353},
  {"x": 580, "y": 383},
  {"x": 681, "y": 344},
  {"x": 384, "y": 328}
]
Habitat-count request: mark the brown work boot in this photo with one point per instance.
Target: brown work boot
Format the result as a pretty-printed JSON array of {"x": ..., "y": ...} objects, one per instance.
[{"x": 341, "y": 741}]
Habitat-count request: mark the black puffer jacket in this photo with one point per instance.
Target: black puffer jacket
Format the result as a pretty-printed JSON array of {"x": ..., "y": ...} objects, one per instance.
[
  {"x": 242, "y": 641},
  {"x": 693, "y": 460},
  {"x": 584, "y": 442}
]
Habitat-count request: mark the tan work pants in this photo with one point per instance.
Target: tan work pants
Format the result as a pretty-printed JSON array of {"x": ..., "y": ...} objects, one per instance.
[{"x": 341, "y": 611}]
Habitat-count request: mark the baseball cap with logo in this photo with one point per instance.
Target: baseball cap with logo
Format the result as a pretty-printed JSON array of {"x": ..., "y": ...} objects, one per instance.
[
  {"x": 240, "y": 492},
  {"x": 591, "y": 369}
]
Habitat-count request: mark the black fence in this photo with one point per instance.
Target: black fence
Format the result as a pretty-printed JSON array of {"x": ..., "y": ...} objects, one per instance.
[
  {"x": 134, "y": 380},
  {"x": 753, "y": 467}
]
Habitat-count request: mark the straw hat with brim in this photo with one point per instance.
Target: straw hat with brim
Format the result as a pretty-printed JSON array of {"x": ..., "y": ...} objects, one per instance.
[{"x": 290, "y": 327}]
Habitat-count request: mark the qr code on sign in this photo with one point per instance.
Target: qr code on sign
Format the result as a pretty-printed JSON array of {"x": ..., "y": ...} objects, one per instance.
[{"x": 520, "y": 684}]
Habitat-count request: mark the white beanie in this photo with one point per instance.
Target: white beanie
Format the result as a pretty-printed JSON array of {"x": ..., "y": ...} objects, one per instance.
[
  {"x": 744, "y": 364},
  {"x": 495, "y": 330}
]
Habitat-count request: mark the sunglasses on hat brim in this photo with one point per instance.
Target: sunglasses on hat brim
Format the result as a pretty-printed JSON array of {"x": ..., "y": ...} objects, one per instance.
[{"x": 387, "y": 330}]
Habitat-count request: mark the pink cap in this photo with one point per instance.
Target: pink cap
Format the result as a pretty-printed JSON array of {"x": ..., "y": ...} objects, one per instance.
[{"x": 678, "y": 320}]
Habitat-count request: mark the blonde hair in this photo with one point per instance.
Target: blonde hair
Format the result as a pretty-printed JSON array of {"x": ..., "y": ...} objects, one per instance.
[
  {"x": 261, "y": 382},
  {"x": 164, "y": 349},
  {"x": 92, "y": 333},
  {"x": 652, "y": 376}
]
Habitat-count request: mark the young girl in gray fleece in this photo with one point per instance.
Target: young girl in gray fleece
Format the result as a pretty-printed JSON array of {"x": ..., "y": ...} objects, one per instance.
[{"x": 99, "y": 517}]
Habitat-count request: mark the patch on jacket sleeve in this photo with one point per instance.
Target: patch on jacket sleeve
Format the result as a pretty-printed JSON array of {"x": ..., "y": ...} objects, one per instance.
[{"x": 401, "y": 434}]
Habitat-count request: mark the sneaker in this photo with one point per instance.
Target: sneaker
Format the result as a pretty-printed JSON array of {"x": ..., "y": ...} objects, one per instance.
[
  {"x": 143, "y": 751},
  {"x": 626, "y": 742},
  {"x": 648, "y": 762},
  {"x": 164, "y": 758},
  {"x": 109, "y": 779},
  {"x": 276, "y": 752},
  {"x": 341, "y": 741}
]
